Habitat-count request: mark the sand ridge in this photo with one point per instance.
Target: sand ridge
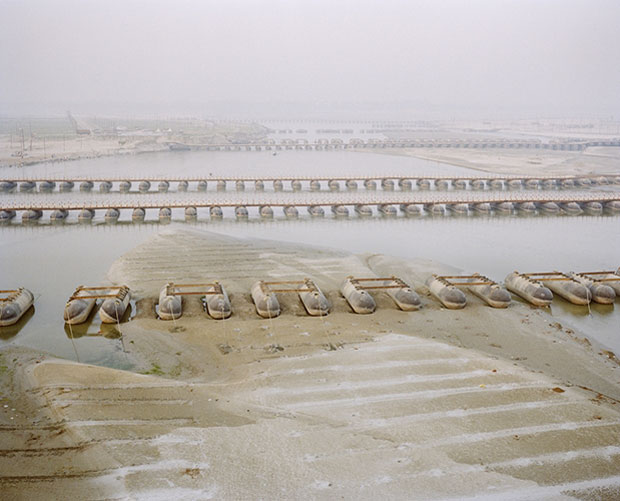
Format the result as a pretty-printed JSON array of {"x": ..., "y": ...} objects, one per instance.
[{"x": 432, "y": 404}]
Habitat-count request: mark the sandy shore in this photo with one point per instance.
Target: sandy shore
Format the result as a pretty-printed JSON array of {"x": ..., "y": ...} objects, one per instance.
[
  {"x": 75, "y": 148},
  {"x": 431, "y": 404},
  {"x": 65, "y": 145},
  {"x": 594, "y": 160}
]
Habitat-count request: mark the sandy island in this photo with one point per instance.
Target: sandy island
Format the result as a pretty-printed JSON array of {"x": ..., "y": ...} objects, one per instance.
[
  {"x": 435, "y": 404},
  {"x": 594, "y": 160}
]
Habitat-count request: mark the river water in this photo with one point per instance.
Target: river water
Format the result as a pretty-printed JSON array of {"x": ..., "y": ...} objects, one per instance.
[
  {"x": 51, "y": 260},
  {"x": 209, "y": 164}
]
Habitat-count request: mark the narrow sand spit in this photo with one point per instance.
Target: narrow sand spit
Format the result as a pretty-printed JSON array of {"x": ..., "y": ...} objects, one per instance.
[{"x": 434, "y": 404}]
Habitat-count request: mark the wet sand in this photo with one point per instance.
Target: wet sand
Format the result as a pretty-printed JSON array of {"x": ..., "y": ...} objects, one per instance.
[{"x": 429, "y": 404}]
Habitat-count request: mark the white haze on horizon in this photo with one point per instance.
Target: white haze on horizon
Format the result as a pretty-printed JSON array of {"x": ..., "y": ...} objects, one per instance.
[{"x": 446, "y": 57}]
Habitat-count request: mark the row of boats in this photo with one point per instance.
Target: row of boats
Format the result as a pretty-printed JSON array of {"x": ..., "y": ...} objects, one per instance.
[
  {"x": 112, "y": 215},
  {"x": 388, "y": 184},
  {"x": 536, "y": 288}
]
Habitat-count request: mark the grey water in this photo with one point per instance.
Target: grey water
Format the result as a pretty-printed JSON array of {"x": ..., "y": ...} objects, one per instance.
[
  {"x": 51, "y": 260},
  {"x": 241, "y": 163}
]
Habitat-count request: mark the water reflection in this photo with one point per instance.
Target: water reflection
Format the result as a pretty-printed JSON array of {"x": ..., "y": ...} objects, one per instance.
[
  {"x": 203, "y": 218},
  {"x": 561, "y": 306},
  {"x": 108, "y": 331},
  {"x": 602, "y": 309}
]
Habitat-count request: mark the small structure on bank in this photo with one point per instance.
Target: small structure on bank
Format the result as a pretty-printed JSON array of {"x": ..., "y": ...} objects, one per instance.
[
  {"x": 445, "y": 289},
  {"x": 564, "y": 286},
  {"x": 268, "y": 306},
  {"x": 171, "y": 300},
  {"x": 83, "y": 300},
  {"x": 355, "y": 292},
  {"x": 604, "y": 285}
]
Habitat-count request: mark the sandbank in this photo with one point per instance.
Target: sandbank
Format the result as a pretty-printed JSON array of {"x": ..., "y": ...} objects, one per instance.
[{"x": 432, "y": 404}]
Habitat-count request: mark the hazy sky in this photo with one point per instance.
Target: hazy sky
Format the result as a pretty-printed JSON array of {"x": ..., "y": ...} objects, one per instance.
[{"x": 479, "y": 55}]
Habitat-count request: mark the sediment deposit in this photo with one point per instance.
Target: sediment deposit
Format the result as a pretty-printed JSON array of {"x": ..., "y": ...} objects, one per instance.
[{"x": 432, "y": 403}]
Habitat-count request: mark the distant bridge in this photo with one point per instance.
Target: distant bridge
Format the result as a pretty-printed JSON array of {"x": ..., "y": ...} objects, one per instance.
[
  {"x": 609, "y": 178},
  {"x": 340, "y": 144}
]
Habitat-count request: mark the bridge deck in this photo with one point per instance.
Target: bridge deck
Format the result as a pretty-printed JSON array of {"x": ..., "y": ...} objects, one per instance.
[
  {"x": 288, "y": 177},
  {"x": 76, "y": 201}
]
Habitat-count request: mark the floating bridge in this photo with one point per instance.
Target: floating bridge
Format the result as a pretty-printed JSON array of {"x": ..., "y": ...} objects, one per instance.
[
  {"x": 313, "y": 183},
  {"x": 410, "y": 202},
  {"x": 483, "y": 194},
  {"x": 356, "y": 143}
]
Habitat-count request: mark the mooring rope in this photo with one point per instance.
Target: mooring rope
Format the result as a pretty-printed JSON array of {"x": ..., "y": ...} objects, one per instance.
[{"x": 73, "y": 343}]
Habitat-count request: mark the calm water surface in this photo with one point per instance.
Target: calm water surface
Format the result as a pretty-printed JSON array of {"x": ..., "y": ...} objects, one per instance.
[
  {"x": 52, "y": 260},
  {"x": 239, "y": 163}
]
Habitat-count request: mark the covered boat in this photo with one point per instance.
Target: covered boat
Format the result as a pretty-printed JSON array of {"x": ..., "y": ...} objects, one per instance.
[{"x": 14, "y": 305}]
